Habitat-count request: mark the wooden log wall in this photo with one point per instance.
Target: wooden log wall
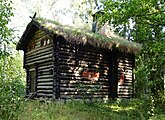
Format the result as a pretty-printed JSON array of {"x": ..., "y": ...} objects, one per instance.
[
  {"x": 125, "y": 76},
  {"x": 27, "y": 81},
  {"x": 64, "y": 70},
  {"x": 73, "y": 61},
  {"x": 40, "y": 58}
]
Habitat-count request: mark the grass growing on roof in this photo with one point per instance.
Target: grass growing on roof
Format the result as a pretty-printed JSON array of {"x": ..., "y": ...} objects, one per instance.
[{"x": 84, "y": 36}]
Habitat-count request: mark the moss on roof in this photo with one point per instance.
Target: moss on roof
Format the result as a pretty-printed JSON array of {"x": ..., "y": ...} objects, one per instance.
[{"x": 83, "y": 36}]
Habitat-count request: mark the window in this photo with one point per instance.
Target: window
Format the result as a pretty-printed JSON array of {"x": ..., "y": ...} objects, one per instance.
[
  {"x": 45, "y": 41},
  {"x": 31, "y": 46}
]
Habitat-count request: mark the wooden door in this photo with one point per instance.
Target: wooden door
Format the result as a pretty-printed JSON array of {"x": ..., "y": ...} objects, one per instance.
[{"x": 32, "y": 81}]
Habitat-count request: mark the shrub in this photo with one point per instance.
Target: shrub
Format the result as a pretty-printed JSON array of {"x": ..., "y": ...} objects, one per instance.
[
  {"x": 11, "y": 85},
  {"x": 11, "y": 93}
]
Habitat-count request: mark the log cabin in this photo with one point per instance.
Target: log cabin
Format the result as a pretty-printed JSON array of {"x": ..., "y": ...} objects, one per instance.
[{"x": 64, "y": 62}]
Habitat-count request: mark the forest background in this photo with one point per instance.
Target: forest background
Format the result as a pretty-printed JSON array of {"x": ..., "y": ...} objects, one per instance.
[{"x": 141, "y": 21}]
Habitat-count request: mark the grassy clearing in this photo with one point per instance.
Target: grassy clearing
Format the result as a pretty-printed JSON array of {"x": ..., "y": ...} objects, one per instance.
[{"x": 77, "y": 110}]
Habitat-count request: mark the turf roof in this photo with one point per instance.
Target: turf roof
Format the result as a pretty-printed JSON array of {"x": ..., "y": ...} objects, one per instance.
[{"x": 83, "y": 36}]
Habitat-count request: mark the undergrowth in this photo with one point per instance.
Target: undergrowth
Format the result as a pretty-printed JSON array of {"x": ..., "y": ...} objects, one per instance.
[{"x": 121, "y": 109}]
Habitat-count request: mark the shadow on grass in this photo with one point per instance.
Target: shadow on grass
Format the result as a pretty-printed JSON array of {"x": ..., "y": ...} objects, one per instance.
[{"x": 121, "y": 109}]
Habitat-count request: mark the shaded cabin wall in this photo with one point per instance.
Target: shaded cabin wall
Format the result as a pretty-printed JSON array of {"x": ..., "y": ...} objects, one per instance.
[
  {"x": 84, "y": 71},
  {"x": 79, "y": 66},
  {"x": 125, "y": 75},
  {"x": 38, "y": 64}
]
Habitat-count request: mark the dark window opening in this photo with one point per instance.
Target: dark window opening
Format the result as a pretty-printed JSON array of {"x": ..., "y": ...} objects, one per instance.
[
  {"x": 45, "y": 42},
  {"x": 31, "y": 46}
]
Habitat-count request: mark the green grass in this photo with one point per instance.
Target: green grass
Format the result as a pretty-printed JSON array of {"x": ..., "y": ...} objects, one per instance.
[
  {"x": 78, "y": 110},
  {"x": 84, "y": 36}
]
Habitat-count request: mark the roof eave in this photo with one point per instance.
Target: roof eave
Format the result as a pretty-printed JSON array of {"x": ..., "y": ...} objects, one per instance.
[{"x": 24, "y": 38}]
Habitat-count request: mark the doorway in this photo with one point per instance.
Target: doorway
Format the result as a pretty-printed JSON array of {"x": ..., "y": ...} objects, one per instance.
[{"x": 32, "y": 81}]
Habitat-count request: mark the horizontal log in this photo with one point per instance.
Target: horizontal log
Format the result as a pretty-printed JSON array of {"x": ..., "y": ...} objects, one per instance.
[
  {"x": 88, "y": 49},
  {"x": 101, "y": 86},
  {"x": 45, "y": 76},
  {"x": 125, "y": 84},
  {"x": 127, "y": 67},
  {"x": 40, "y": 36},
  {"x": 38, "y": 59},
  {"x": 79, "y": 74},
  {"x": 84, "y": 93},
  {"x": 39, "y": 33},
  {"x": 80, "y": 80},
  {"x": 68, "y": 60},
  {"x": 125, "y": 63},
  {"x": 84, "y": 60},
  {"x": 62, "y": 49},
  {"x": 45, "y": 91},
  {"x": 125, "y": 96},
  {"x": 68, "y": 67},
  {"x": 64, "y": 89},
  {"x": 43, "y": 37},
  {"x": 39, "y": 55},
  {"x": 67, "y": 53},
  {"x": 44, "y": 94},
  {"x": 129, "y": 90},
  {"x": 46, "y": 87},
  {"x": 125, "y": 87},
  {"x": 125, "y": 92},
  {"x": 93, "y": 61},
  {"x": 77, "y": 78},
  {"x": 45, "y": 68},
  {"x": 128, "y": 75},
  {"x": 84, "y": 56},
  {"x": 45, "y": 83},
  {"x": 40, "y": 50},
  {"x": 45, "y": 80},
  {"x": 126, "y": 80},
  {"x": 67, "y": 63},
  {"x": 65, "y": 57},
  {"x": 43, "y": 73},
  {"x": 46, "y": 71},
  {"x": 125, "y": 57},
  {"x": 66, "y": 46},
  {"x": 37, "y": 62},
  {"x": 46, "y": 63}
]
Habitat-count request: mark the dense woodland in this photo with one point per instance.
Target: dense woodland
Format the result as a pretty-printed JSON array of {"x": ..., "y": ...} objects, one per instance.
[{"x": 141, "y": 21}]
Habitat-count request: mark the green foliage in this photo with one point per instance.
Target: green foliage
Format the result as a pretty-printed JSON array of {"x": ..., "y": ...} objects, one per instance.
[
  {"x": 11, "y": 74},
  {"x": 141, "y": 21},
  {"x": 87, "y": 91},
  {"x": 160, "y": 100},
  {"x": 11, "y": 85},
  {"x": 121, "y": 109},
  {"x": 5, "y": 14},
  {"x": 149, "y": 71}
]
